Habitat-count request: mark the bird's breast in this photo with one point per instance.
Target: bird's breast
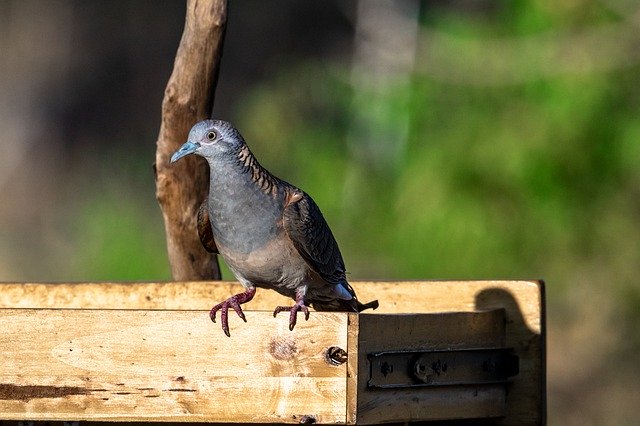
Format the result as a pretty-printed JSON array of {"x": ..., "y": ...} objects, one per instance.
[
  {"x": 276, "y": 264},
  {"x": 243, "y": 217}
]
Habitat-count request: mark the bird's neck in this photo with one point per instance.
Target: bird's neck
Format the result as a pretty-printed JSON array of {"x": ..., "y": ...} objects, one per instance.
[
  {"x": 242, "y": 169},
  {"x": 260, "y": 176},
  {"x": 242, "y": 196}
]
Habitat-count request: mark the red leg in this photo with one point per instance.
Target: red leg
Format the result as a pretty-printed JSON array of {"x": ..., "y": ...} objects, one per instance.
[
  {"x": 293, "y": 316},
  {"x": 232, "y": 302}
]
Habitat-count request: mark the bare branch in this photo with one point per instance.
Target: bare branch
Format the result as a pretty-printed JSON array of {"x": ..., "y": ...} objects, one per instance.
[{"x": 188, "y": 98}]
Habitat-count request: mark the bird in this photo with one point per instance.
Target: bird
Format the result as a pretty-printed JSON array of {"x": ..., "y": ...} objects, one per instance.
[{"x": 270, "y": 233}]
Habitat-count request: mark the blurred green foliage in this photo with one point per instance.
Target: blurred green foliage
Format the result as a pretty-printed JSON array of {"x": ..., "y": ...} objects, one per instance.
[
  {"x": 118, "y": 242},
  {"x": 116, "y": 227},
  {"x": 494, "y": 182}
]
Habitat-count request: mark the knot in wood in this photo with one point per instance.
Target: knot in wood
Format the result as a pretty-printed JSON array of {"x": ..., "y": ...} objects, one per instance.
[{"x": 283, "y": 348}]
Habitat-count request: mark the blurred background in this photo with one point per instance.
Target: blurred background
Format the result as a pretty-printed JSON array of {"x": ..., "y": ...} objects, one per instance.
[{"x": 442, "y": 139}]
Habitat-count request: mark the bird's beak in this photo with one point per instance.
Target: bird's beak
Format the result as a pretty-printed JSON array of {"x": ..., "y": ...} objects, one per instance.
[{"x": 186, "y": 149}]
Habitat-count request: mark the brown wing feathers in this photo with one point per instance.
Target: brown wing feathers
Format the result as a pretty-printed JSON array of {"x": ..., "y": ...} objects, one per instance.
[
  {"x": 204, "y": 229},
  {"x": 312, "y": 237}
]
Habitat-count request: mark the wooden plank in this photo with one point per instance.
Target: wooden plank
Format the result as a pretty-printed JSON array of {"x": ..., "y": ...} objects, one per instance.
[
  {"x": 395, "y": 297},
  {"x": 523, "y": 302},
  {"x": 127, "y": 365},
  {"x": 428, "y": 332},
  {"x": 199, "y": 295}
]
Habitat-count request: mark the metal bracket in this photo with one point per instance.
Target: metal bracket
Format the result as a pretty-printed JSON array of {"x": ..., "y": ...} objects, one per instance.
[{"x": 398, "y": 369}]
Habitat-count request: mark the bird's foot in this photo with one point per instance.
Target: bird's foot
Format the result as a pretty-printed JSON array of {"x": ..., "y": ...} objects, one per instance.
[
  {"x": 293, "y": 316},
  {"x": 232, "y": 302}
]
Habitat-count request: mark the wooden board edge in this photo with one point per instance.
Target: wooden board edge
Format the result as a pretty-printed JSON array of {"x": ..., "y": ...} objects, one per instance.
[
  {"x": 353, "y": 329},
  {"x": 543, "y": 352}
]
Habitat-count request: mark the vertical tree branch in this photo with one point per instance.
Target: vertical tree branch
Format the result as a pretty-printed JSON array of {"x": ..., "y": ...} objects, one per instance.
[{"x": 188, "y": 98}]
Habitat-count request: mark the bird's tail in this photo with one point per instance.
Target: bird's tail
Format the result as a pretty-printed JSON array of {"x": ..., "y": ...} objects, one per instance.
[
  {"x": 369, "y": 305},
  {"x": 341, "y": 305},
  {"x": 344, "y": 305}
]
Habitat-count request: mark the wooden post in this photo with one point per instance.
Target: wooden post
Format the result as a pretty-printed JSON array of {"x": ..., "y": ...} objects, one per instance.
[{"x": 188, "y": 98}]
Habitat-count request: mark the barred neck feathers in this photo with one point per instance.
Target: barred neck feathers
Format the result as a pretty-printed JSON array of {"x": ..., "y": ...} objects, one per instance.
[{"x": 261, "y": 176}]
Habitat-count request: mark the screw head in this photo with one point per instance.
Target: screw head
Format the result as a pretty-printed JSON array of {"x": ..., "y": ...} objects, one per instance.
[{"x": 336, "y": 355}]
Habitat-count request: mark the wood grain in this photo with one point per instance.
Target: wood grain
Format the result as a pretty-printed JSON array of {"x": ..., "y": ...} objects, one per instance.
[
  {"x": 168, "y": 366},
  {"x": 394, "y": 297},
  {"x": 188, "y": 98},
  {"x": 523, "y": 302}
]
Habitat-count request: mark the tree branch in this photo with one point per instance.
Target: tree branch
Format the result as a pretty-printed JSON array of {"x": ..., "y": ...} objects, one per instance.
[{"x": 188, "y": 98}]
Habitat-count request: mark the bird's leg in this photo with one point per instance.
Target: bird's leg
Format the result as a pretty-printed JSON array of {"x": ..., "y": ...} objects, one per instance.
[
  {"x": 298, "y": 306},
  {"x": 233, "y": 302}
]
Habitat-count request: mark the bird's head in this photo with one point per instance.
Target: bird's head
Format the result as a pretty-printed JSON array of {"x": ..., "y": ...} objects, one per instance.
[{"x": 210, "y": 139}]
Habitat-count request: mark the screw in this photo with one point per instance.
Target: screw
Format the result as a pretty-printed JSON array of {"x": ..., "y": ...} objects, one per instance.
[{"x": 336, "y": 355}]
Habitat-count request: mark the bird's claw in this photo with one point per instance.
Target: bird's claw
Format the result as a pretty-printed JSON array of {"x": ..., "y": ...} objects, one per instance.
[
  {"x": 293, "y": 316},
  {"x": 233, "y": 302}
]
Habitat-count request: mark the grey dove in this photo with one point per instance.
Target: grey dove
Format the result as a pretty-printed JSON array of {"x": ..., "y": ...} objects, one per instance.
[{"x": 270, "y": 233}]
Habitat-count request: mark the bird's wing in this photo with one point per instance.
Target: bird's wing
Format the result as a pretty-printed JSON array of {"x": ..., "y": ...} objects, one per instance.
[
  {"x": 204, "y": 229},
  {"x": 312, "y": 237}
]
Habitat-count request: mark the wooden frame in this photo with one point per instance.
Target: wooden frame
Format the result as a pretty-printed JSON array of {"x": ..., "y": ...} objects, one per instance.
[{"x": 148, "y": 352}]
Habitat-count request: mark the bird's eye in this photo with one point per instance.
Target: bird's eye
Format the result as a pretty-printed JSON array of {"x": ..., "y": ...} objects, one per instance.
[{"x": 211, "y": 136}]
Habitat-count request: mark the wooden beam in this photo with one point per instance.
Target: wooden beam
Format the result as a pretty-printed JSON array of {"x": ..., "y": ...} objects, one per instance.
[
  {"x": 127, "y": 365},
  {"x": 522, "y": 301},
  {"x": 394, "y": 296}
]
